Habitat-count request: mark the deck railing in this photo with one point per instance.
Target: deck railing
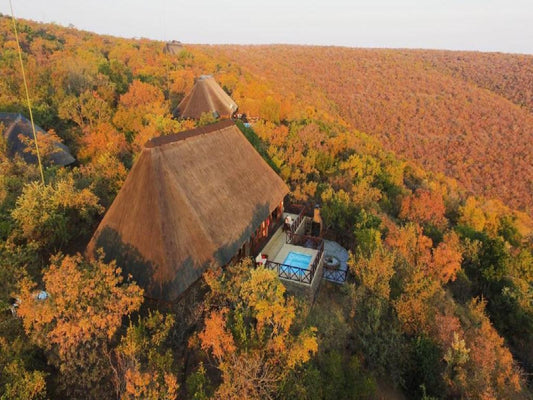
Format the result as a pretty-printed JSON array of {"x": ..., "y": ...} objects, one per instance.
[
  {"x": 292, "y": 273},
  {"x": 298, "y": 274},
  {"x": 334, "y": 274},
  {"x": 311, "y": 242},
  {"x": 293, "y": 208},
  {"x": 296, "y": 223},
  {"x": 318, "y": 257}
]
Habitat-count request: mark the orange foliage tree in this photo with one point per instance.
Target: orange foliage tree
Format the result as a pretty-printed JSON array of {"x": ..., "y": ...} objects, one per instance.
[
  {"x": 440, "y": 263},
  {"x": 487, "y": 369},
  {"x": 84, "y": 307},
  {"x": 142, "y": 114},
  {"x": 424, "y": 207},
  {"x": 138, "y": 109},
  {"x": 425, "y": 270},
  {"x": 103, "y": 138}
]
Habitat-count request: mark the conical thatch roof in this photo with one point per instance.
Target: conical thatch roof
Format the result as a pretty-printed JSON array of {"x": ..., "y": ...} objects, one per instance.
[
  {"x": 206, "y": 96},
  {"x": 191, "y": 200},
  {"x": 15, "y": 124},
  {"x": 173, "y": 47}
]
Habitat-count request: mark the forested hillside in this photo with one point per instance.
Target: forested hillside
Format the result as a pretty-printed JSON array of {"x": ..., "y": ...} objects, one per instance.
[
  {"x": 467, "y": 115},
  {"x": 509, "y": 75},
  {"x": 397, "y": 146}
]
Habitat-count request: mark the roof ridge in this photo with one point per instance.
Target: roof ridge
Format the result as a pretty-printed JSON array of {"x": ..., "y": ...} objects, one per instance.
[
  {"x": 176, "y": 137},
  {"x": 11, "y": 128},
  {"x": 205, "y": 88},
  {"x": 187, "y": 98}
]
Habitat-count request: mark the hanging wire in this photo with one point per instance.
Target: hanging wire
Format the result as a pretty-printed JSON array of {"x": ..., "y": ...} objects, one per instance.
[
  {"x": 167, "y": 58},
  {"x": 27, "y": 91}
]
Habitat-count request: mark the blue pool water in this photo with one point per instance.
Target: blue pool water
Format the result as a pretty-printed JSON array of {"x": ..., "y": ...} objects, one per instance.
[{"x": 300, "y": 260}]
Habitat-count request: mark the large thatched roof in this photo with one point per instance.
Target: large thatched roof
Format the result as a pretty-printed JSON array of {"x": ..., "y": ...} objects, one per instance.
[
  {"x": 191, "y": 200},
  {"x": 206, "y": 96},
  {"x": 15, "y": 124}
]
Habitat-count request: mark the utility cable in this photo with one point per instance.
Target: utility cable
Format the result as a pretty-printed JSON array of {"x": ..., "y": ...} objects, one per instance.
[{"x": 27, "y": 91}]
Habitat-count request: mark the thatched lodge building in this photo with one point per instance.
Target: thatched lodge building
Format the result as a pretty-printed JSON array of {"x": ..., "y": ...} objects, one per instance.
[
  {"x": 192, "y": 200},
  {"x": 14, "y": 126},
  {"x": 206, "y": 96},
  {"x": 204, "y": 198}
]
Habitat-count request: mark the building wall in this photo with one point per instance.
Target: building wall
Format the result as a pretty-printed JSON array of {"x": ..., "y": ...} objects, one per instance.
[
  {"x": 303, "y": 226},
  {"x": 304, "y": 290}
]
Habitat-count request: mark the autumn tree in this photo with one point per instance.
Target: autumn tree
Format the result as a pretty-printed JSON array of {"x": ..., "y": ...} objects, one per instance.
[
  {"x": 104, "y": 175},
  {"x": 138, "y": 110},
  {"x": 491, "y": 371},
  {"x": 47, "y": 145},
  {"x": 14, "y": 175},
  {"x": 16, "y": 262},
  {"x": 143, "y": 362},
  {"x": 252, "y": 343},
  {"x": 423, "y": 271},
  {"x": 88, "y": 110},
  {"x": 75, "y": 322},
  {"x": 416, "y": 305},
  {"x": 102, "y": 138},
  {"x": 455, "y": 374},
  {"x": 410, "y": 242},
  {"x": 440, "y": 263},
  {"x": 374, "y": 271},
  {"x": 181, "y": 82},
  {"x": 446, "y": 258},
  {"x": 270, "y": 109},
  {"x": 424, "y": 207}
]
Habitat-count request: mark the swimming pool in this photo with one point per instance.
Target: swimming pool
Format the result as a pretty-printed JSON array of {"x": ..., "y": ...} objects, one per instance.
[{"x": 300, "y": 260}]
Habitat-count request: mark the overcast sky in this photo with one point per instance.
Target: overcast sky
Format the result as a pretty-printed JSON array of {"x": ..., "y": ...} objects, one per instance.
[{"x": 486, "y": 25}]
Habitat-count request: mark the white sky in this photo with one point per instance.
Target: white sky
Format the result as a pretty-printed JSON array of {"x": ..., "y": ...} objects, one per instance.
[{"x": 486, "y": 25}]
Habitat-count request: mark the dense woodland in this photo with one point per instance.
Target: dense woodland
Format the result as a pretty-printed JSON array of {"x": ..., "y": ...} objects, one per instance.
[
  {"x": 467, "y": 115},
  {"x": 415, "y": 156}
]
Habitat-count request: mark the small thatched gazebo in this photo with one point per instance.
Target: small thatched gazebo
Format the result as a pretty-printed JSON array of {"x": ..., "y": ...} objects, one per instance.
[
  {"x": 206, "y": 97},
  {"x": 192, "y": 200},
  {"x": 14, "y": 124},
  {"x": 173, "y": 47}
]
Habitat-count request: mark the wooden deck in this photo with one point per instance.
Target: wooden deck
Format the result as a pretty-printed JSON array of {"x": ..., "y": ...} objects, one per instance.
[{"x": 282, "y": 242}]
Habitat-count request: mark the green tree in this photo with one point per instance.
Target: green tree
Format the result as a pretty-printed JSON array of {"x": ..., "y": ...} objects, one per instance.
[
  {"x": 143, "y": 361},
  {"x": 378, "y": 335},
  {"x": 54, "y": 214},
  {"x": 198, "y": 387},
  {"x": 206, "y": 118},
  {"x": 23, "y": 384}
]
